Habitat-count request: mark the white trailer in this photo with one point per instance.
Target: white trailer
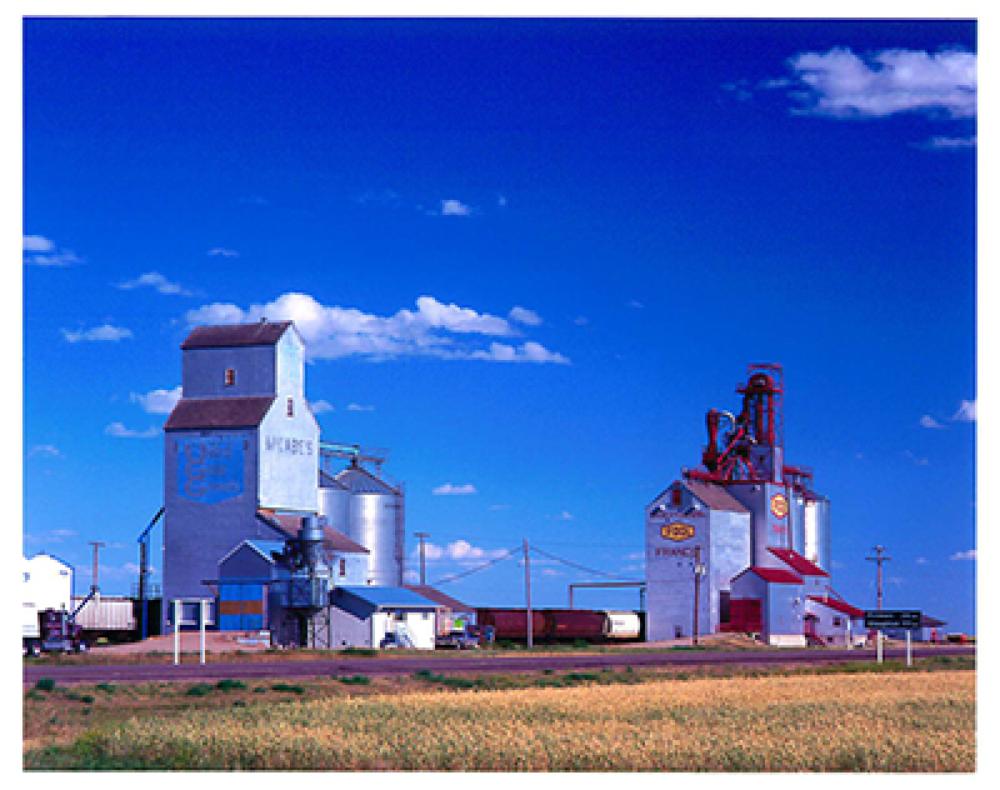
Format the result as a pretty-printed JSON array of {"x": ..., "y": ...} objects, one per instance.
[{"x": 47, "y": 584}]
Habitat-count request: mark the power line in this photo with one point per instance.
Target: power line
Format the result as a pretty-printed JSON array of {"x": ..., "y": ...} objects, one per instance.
[
  {"x": 484, "y": 566},
  {"x": 575, "y": 565}
]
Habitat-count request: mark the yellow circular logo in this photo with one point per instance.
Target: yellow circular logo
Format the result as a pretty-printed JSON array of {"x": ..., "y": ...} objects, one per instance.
[
  {"x": 779, "y": 506},
  {"x": 677, "y": 531}
]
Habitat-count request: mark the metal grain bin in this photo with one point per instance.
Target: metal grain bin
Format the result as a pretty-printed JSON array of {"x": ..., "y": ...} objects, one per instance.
[
  {"x": 375, "y": 520},
  {"x": 817, "y": 531},
  {"x": 334, "y": 503}
]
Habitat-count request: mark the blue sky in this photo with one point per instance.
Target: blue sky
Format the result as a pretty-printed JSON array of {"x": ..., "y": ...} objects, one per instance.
[{"x": 527, "y": 256}]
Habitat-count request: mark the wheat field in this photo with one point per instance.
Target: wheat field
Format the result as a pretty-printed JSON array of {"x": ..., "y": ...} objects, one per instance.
[{"x": 883, "y": 722}]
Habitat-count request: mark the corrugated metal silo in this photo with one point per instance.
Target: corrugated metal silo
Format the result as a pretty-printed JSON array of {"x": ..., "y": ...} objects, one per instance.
[
  {"x": 376, "y": 522},
  {"x": 334, "y": 503},
  {"x": 817, "y": 531},
  {"x": 796, "y": 520}
]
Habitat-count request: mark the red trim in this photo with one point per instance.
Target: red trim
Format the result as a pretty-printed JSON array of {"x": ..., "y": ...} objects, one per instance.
[
  {"x": 797, "y": 562},
  {"x": 777, "y": 575},
  {"x": 839, "y": 606}
]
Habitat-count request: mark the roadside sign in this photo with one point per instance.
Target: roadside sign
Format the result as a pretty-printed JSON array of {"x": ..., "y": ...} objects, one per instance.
[{"x": 880, "y": 619}]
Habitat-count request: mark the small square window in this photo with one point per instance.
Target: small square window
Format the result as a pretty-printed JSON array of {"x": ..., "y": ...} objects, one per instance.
[
  {"x": 230, "y": 377},
  {"x": 291, "y": 407},
  {"x": 343, "y": 567}
]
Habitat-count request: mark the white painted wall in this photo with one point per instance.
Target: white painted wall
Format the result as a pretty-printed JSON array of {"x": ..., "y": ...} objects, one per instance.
[
  {"x": 419, "y": 625},
  {"x": 47, "y": 584}
]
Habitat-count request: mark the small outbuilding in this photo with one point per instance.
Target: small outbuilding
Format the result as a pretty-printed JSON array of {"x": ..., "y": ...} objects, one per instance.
[
  {"x": 380, "y": 617},
  {"x": 452, "y": 614}
]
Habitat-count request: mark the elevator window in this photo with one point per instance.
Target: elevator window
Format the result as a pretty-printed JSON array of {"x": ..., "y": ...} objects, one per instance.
[
  {"x": 723, "y": 606},
  {"x": 230, "y": 377},
  {"x": 291, "y": 407}
]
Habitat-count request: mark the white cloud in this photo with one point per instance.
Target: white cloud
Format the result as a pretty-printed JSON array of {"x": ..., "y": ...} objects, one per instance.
[
  {"x": 410, "y": 576},
  {"x": 157, "y": 282},
  {"x": 551, "y": 572},
  {"x": 38, "y": 244},
  {"x": 564, "y": 515},
  {"x": 449, "y": 489},
  {"x": 635, "y": 304},
  {"x": 929, "y": 422},
  {"x": 223, "y": 252},
  {"x": 359, "y": 407},
  {"x": 320, "y": 406},
  {"x": 463, "y": 550},
  {"x": 216, "y": 313},
  {"x": 45, "y": 450},
  {"x": 103, "y": 333},
  {"x": 581, "y": 320},
  {"x": 498, "y": 507},
  {"x": 119, "y": 431},
  {"x": 458, "y": 550},
  {"x": 157, "y": 401},
  {"x": 921, "y": 561},
  {"x": 523, "y": 315},
  {"x": 841, "y": 84},
  {"x": 502, "y": 201},
  {"x": 964, "y": 555},
  {"x": 44, "y": 252},
  {"x": 454, "y": 208},
  {"x": 940, "y": 143},
  {"x": 526, "y": 352},
  {"x": 966, "y": 412},
  {"x": 434, "y": 329}
]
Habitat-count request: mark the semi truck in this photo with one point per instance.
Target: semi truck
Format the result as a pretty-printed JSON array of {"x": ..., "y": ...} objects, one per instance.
[{"x": 51, "y": 631}]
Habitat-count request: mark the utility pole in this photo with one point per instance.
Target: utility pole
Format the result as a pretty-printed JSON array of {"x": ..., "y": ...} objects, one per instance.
[
  {"x": 94, "y": 586},
  {"x": 699, "y": 571},
  {"x": 527, "y": 595},
  {"x": 423, "y": 559},
  {"x": 878, "y": 559}
]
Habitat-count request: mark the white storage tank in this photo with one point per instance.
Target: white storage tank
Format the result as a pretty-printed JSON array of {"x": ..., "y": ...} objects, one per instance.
[
  {"x": 817, "y": 531},
  {"x": 375, "y": 520},
  {"x": 334, "y": 503}
]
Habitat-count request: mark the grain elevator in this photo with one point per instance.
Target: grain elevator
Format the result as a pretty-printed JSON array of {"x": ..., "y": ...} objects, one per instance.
[
  {"x": 743, "y": 543},
  {"x": 246, "y": 472}
]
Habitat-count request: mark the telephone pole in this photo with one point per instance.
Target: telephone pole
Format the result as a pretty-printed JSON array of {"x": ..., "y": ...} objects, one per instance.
[
  {"x": 699, "y": 571},
  {"x": 878, "y": 559},
  {"x": 94, "y": 586},
  {"x": 423, "y": 559},
  {"x": 527, "y": 596}
]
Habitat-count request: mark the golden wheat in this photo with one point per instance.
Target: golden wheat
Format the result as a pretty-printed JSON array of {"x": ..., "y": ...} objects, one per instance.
[{"x": 882, "y": 722}]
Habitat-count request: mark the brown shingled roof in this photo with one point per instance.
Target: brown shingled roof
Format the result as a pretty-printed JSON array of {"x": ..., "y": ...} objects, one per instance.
[
  {"x": 263, "y": 333},
  {"x": 217, "y": 413},
  {"x": 715, "y": 496},
  {"x": 439, "y": 597},
  {"x": 288, "y": 526}
]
